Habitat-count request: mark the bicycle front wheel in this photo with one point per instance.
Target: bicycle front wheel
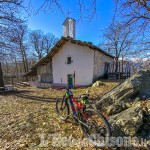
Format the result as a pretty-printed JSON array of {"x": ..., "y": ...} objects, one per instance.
[
  {"x": 95, "y": 127},
  {"x": 62, "y": 108}
]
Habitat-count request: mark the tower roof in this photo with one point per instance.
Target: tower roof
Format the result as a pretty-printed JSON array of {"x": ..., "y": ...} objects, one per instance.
[{"x": 67, "y": 20}]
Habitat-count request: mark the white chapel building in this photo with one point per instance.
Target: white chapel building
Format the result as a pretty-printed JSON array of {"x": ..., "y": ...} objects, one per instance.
[{"x": 70, "y": 61}]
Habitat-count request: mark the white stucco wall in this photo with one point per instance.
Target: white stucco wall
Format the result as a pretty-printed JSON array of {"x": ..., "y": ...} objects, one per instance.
[{"x": 83, "y": 63}]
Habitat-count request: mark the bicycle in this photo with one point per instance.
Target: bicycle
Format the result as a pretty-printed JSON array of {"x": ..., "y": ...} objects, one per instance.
[{"x": 86, "y": 117}]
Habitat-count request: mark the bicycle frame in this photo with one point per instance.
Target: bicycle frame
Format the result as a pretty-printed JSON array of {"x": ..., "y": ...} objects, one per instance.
[
  {"x": 72, "y": 101},
  {"x": 79, "y": 105}
]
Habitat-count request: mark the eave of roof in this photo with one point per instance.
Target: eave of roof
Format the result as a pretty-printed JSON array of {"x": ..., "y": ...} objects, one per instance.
[
  {"x": 49, "y": 56},
  {"x": 31, "y": 73},
  {"x": 58, "y": 46}
]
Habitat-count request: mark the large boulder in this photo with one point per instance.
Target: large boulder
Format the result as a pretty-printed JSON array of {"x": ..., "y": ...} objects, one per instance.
[
  {"x": 137, "y": 85},
  {"x": 116, "y": 108},
  {"x": 144, "y": 131},
  {"x": 148, "y": 105},
  {"x": 128, "y": 122},
  {"x": 128, "y": 107}
]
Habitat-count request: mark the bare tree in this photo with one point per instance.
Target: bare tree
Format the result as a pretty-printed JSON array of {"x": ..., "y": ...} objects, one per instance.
[
  {"x": 37, "y": 41},
  {"x": 9, "y": 16},
  {"x": 21, "y": 47},
  {"x": 42, "y": 43},
  {"x": 87, "y": 8},
  {"x": 119, "y": 41},
  {"x": 135, "y": 11},
  {"x": 9, "y": 9},
  {"x": 49, "y": 41}
]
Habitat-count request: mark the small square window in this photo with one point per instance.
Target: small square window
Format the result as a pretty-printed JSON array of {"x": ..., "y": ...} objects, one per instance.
[{"x": 69, "y": 61}]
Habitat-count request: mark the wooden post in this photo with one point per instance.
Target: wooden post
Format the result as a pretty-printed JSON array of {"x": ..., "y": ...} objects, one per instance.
[
  {"x": 129, "y": 69},
  {"x": 113, "y": 67},
  {"x": 119, "y": 70},
  {"x": 74, "y": 76},
  {"x": 1, "y": 77},
  {"x": 122, "y": 63}
]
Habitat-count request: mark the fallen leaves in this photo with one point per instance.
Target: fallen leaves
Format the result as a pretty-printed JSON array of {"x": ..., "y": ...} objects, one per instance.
[{"x": 31, "y": 112}]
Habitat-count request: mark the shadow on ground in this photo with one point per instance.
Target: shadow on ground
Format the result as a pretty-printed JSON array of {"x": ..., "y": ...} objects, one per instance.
[
  {"x": 36, "y": 98},
  {"x": 8, "y": 93},
  {"x": 24, "y": 94}
]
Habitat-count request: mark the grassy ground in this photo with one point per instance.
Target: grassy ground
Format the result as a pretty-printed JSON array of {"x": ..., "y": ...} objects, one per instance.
[{"x": 29, "y": 116}]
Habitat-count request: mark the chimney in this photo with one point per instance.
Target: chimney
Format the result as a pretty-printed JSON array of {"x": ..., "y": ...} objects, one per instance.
[{"x": 69, "y": 28}]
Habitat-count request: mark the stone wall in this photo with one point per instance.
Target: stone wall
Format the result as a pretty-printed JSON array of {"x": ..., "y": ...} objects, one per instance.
[
  {"x": 99, "y": 64},
  {"x": 45, "y": 74},
  {"x": 45, "y": 69}
]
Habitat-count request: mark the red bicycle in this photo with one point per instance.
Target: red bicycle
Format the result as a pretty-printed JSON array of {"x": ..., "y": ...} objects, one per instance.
[{"x": 94, "y": 125}]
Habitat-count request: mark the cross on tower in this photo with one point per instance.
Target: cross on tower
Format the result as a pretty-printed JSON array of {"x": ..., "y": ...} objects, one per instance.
[{"x": 68, "y": 13}]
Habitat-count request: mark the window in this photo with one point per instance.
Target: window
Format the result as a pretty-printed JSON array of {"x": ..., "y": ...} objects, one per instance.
[{"x": 69, "y": 61}]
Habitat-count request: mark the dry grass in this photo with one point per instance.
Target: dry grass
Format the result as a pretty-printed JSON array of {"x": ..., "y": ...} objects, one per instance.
[{"x": 25, "y": 115}]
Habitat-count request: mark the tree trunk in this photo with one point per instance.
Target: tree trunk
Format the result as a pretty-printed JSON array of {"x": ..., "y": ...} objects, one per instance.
[
  {"x": 116, "y": 65},
  {"x": 16, "y": 66},
  {"x": 1, "y": 77}
]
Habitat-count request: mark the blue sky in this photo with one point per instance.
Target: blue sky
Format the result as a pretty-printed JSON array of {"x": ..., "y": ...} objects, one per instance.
[{"x": 86, "y": 30}]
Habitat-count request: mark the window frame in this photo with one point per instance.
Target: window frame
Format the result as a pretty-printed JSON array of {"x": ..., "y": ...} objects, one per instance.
[{"x": 69, "y": 60}]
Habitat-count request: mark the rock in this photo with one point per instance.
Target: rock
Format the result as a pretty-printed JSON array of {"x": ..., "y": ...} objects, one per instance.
[
  {"x": 98, "y": 84},
  {"x": 116, "y": 108},
  {"x": 137, "y": 104},
  {"x": 126, "y": 90},
  {"x": 148, "y": 105},
  {"x": 127, "y": 122},
  {"x": 23, "y": 145},
  {"x": 128, "y": 104},
  {"x": 144, "y": 131},
  {"x": 128, "y": 107},
  {"x": 103, "y": 103},
  {"x": 128, "y": 100},
  {"x": 137, "y": 85},
  {"x": 137, "y": 99},
  {"x": 148, "y": 144}
]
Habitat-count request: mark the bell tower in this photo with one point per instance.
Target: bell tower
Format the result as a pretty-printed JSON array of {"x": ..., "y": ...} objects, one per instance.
[{"x": 69, "y": 26}]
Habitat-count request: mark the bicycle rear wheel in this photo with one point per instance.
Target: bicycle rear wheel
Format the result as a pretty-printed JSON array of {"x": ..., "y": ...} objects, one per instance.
[
  {"x": 95, "y": 127},
  {"x": 62, "y": 108}
]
